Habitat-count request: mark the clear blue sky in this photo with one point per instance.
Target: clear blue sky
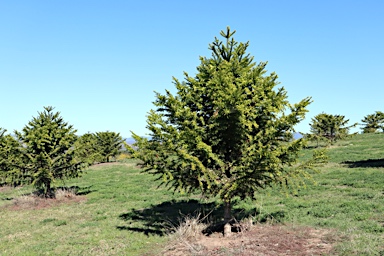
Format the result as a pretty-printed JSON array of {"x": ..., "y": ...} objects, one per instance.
[{"x": 98, "y": 62}]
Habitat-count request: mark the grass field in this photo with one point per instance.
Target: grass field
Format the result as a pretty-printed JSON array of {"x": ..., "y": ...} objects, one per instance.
[{"x": 121, "y": 211}]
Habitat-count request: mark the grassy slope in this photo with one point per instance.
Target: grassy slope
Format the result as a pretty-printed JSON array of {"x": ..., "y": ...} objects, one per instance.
[{"x": 124, "y": 212}]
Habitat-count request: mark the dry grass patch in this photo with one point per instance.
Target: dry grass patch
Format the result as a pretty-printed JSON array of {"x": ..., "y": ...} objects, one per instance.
[
  {"x": 5, "y": 188},
  {"x": 109, "y": 164},
  {"x": 26, "y": 201},
  {"x": 185, "y": 235},
  {"x": 34, "y": 202},
  {"x": 260, "y": 239},
  {"x": 63, "y": 194}
]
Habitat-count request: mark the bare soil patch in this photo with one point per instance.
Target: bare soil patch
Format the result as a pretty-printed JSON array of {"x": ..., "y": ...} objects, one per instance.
[
  {"x": 36, "y": 203},
  {"x": 5, "y": 188},
  {"x": 102, "y": 165},
  {"x": 260, "y": 240}
]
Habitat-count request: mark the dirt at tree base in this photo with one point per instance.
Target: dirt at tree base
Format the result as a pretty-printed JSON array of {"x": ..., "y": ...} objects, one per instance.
[
  {"x": 37, "y": 203},
  {"x": 260, "y": 240}
]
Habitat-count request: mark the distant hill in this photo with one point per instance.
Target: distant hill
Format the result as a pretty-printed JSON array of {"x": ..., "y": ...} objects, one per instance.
[
  {"x": 130, "y": 141},
  {"x": 297, "y": 135}
]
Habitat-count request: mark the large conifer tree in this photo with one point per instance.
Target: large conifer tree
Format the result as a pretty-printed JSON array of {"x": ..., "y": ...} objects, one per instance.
[{"x": 227, "y": 131}]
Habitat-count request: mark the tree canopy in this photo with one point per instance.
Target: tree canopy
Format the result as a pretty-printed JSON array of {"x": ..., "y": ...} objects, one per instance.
[{"x": 228, "y": 130}]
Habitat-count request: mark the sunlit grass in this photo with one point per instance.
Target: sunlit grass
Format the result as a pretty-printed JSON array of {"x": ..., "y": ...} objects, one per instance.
[
  {"x": 119, "y": 210},
  {"x": 88, "y": 227},
  {"x": 348, "y": 196}
]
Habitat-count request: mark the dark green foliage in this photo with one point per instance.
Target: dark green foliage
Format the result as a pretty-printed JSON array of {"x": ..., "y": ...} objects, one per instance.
[
  {"x": 47, "y": 149},
  {"x": 10, "y": 161},
  {"x": 373, "y": 122},
  {"x": 329, "y": 128},
  {"x": 98, "y": 147},
  {"x": 108, "y": 144},
  {"x": 227, "y": 131},
  {"x": 87, "y": 149}
]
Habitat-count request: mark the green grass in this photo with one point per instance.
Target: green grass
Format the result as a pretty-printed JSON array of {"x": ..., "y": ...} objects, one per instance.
[
  {"x": 91, "y": 227},
  {"x": 348, "y": 197},
  {"x": 125, "y": 213}
]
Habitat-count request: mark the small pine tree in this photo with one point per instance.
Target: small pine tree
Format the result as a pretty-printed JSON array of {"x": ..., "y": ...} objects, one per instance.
[
  {"x": 329, "y": 127},
  {"x": 87, "y": 149},
  {"x": 373, "y": 122},
  {"x": 48, "y": 150},
  {"x": 108, "y": 144},
  {"x": 228, "y": 130}
]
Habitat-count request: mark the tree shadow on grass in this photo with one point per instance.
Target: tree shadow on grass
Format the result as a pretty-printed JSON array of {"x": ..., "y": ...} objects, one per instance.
[
  {"x": 79, "y": 191},
  {"x": 370, "y": 163},
  {"x": 158, "y": 219}
]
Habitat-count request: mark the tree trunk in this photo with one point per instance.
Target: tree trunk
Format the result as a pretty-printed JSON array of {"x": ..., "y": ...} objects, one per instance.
[
  {"x": 227, "y": 218},
  {"x": 48, "y": 189}
]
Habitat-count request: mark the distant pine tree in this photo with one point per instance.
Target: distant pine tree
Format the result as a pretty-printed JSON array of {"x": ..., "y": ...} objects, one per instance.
[
  {"x": 108, "y": 144},
  {"x": 87, "y": 149},
  {"x": 373, "y": 122},
  {"x": 329, "y": 127}
]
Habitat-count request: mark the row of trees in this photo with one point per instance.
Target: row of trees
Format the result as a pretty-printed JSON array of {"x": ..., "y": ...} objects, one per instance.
[
  {"x": 48, "y": 150},
  {"x": 330, "y": 128}
]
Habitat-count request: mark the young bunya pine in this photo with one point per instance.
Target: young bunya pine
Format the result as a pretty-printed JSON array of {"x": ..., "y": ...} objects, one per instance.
[
  {"x": 108, "y": 144},
  {"x": 373, "y": 122},
  {"x": 329, "y": 128},
  {"x": 48, "y": 150},
  {"x": 87, "y": 149},
  {"x": 228, "y": 131}
]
